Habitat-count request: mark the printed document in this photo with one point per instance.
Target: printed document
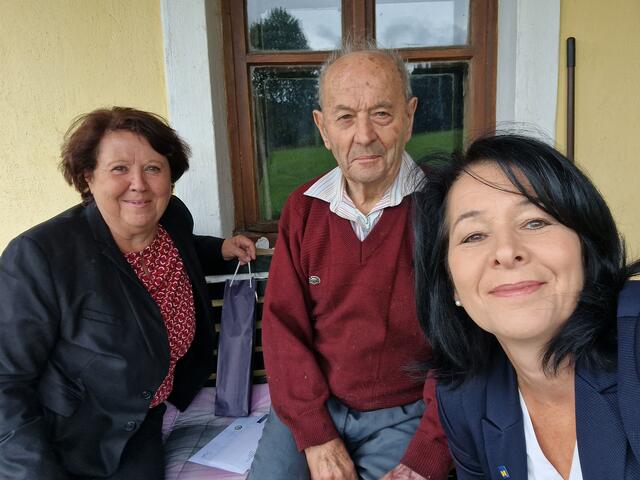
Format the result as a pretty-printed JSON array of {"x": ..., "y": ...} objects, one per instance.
[{"x": 233, "y": 448}]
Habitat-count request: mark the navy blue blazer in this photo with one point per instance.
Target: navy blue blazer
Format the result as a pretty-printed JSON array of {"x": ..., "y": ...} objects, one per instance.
[{"x": 483, "y": 419}]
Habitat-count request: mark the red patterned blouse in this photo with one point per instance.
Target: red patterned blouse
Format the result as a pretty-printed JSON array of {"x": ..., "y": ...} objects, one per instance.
[{"x": 159, "y": 267}]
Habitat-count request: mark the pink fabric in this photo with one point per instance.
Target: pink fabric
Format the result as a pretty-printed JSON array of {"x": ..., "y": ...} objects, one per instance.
[{"x": 186, "y": 432}]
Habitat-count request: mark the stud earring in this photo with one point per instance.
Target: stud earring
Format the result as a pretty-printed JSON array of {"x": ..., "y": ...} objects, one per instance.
[{"x": 458, "y": 303}]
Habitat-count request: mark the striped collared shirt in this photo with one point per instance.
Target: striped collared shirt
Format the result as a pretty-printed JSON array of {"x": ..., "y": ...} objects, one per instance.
[{"x": 331, "y": 189}]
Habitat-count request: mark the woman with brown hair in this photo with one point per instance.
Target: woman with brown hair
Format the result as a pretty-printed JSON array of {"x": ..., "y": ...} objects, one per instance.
[{"x": 104, "y": 310}]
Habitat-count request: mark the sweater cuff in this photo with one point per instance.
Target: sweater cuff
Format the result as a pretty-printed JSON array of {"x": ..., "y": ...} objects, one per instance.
[
  {"x": 313, "y": 428},
  {"x": 427, "y": 457}
]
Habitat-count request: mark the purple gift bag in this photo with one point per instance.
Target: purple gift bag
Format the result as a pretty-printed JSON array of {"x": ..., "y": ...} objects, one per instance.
[{"x": 235, "y": 349}]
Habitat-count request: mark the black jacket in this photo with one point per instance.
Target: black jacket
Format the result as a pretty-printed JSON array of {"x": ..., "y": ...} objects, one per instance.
[{"x": 83, "y": 345}]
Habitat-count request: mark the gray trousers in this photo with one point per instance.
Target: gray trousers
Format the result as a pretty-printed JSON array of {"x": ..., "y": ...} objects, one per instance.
[{"x": 376, "y": 441}]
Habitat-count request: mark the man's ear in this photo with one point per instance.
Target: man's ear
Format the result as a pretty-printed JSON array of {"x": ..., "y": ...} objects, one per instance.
[{"x": 318, "y": 118}]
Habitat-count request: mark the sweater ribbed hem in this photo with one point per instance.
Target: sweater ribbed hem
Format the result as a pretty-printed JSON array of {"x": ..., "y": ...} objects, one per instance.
[
  {"x": 313, "y": 428},
  {"x": 428, "y": 458}
]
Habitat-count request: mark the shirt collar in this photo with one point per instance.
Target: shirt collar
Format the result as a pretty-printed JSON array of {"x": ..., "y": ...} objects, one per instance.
[{"x": 331, "y": 186}]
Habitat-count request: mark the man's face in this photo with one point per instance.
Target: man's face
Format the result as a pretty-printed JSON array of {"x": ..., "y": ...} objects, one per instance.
[{"x": 365, "y": 120}]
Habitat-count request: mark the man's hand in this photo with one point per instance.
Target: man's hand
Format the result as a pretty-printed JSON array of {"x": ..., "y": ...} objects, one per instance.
[
  {"x": 402, "y": 472},
  {"x": 330, "y": 461},
  {"x": 239, "y": 247}
]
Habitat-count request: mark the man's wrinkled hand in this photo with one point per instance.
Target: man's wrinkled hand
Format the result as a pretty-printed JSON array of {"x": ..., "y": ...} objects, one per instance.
[
  {"x": 402, "y": 472},
  {"x": 330, "y": 461},
  {"x": 239, "y": 247}
]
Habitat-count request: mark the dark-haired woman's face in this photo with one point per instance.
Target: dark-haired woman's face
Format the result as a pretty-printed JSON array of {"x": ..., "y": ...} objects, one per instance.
[{"x": 516, "y": 270}]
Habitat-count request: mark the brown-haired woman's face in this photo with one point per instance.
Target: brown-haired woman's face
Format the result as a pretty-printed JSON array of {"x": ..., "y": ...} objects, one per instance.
[
  {"x": 131, "y": 184},
  {"x": 516, "y": 270}
]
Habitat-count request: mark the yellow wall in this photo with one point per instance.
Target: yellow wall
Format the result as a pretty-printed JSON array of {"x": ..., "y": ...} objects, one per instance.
[
  {"x": 58, "y": 59},
  {"x": 607, "y": 102}
]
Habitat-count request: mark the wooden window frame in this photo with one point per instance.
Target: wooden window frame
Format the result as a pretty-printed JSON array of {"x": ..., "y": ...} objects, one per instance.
[{"x": 358, "y": 19}]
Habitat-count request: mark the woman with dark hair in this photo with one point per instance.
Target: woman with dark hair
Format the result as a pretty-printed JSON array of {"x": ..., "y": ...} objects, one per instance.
[
  {"x": 519, "y": 272},
  {"x": 104, "y": 312}
]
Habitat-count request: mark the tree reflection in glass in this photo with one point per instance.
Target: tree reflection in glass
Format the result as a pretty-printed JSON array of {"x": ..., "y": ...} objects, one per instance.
[
  {"x": 288, "y": 148},
  {"x": 294, "y": 25}
]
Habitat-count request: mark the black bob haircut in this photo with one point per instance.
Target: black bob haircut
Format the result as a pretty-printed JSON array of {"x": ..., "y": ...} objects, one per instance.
[{"x": 461, "y": 349}]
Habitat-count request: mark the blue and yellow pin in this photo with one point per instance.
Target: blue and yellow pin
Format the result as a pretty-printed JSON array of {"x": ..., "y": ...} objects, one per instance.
[{"x": 502, "y": 470}]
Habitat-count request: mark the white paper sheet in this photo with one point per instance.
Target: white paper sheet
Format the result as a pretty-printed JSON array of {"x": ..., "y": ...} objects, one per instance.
[{"x": 233, "y": 448}]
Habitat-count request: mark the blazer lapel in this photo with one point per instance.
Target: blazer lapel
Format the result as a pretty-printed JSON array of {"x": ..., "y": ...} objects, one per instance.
[
  {"x": 182, "y": 238},
  {"x": 629, "y": 364},
  {"x": 502, "y": 428},
  {"x": 108, "y": 246},
  {"x": 602, "y": 443},
  {"x": 188, "y": 255},
  {"x": 143, "y": 308}
]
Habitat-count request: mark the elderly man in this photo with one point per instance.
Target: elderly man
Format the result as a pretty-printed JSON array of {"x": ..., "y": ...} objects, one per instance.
[{"x": 339, "y": 326}]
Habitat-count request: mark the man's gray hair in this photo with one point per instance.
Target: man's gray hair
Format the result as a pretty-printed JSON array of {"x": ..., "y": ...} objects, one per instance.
[{"x": 369, "y": 47}]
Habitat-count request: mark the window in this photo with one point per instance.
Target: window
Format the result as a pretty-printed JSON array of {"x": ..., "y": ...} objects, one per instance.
[{"x": 273, "y": 51}]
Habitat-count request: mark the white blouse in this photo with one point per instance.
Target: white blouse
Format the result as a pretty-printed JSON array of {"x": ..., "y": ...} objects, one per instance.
[{"x": 538, "y": 467}]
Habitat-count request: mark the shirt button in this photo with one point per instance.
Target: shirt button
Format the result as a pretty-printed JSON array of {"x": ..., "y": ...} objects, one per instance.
[
  {"x": 146, "y": 394},
  {"x": 130, "y": 426}
]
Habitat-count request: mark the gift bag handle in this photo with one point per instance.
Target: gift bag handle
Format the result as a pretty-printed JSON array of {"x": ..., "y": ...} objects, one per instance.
[{"x": 250, "y": 276}]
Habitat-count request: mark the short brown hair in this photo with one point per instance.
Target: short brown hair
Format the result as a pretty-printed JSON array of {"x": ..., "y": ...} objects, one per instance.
[{"x": 80, "y": 147}]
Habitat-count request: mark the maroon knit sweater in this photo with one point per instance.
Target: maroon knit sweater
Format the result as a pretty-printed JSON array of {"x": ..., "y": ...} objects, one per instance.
[{"x": 339, "y": 319}]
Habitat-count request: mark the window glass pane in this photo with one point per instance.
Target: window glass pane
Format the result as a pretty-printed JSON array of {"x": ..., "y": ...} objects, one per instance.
[
  {"x": 289, "y": 149},
  {"x": 294, "y": 24},
  {"x": 421, "y": 23},
  {"x": 439, "y": 120}
]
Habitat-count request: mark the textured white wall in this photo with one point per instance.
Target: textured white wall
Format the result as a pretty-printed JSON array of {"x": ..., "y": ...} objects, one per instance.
[
  {"x": 197, "y": 109},
  {"x": 528, "y": 59}
]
